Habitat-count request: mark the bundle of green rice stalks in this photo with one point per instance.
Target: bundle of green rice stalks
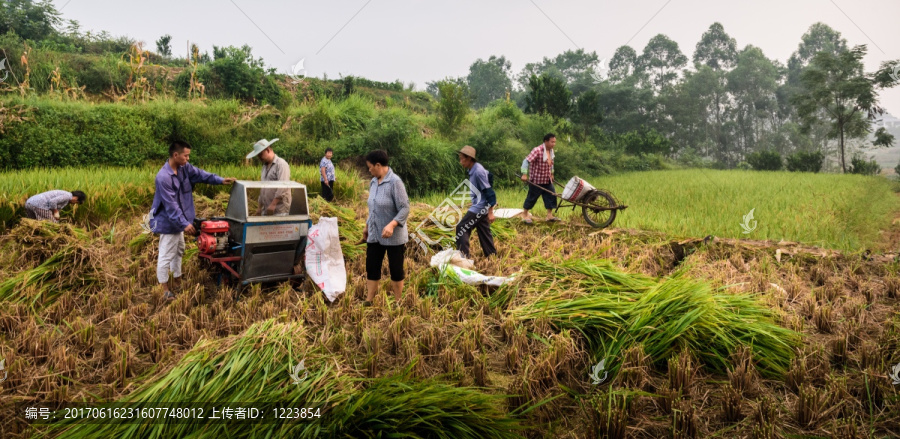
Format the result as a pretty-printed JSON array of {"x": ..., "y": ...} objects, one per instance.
[
  {"x": 255, "y": 369},
  {"x": 615, "y": 310},
  {"x": 250, "y": 369},
  {"x": 684, "y": 313},
  {"x": 543, "y": 283},
  {"x": 396, "y": 407}
]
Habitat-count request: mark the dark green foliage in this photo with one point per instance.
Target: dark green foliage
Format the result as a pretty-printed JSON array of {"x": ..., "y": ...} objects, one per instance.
[
  {"x": 235, "y": 74},
  {"x": 164, "y": 45},
  {"x": 548, "y": 95},
  {"x": 29, "y": 19},
  {"x": 644, "y": 142},
  {"x": 587, "y": 112},
  {"x": 452, "y": 106},
  {"x": 802, "y": 161},
  {"x": 835, "y": 86},
  {"x": 765, "y": 160},
  {"x": 859, "y": 165},
  {"x": 489, "y": 80}
]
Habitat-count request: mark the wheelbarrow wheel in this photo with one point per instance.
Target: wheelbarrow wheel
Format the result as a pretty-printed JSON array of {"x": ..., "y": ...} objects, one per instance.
[{"x": 598, "y": 218}]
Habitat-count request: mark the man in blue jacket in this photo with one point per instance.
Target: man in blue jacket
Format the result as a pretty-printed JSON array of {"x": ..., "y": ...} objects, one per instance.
[
  {"x": 173, "y": 211},
  {"x": 481, "y": 214}
]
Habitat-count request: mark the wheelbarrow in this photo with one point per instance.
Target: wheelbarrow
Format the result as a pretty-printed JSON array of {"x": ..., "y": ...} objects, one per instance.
[{"x": 598, "y": 207}]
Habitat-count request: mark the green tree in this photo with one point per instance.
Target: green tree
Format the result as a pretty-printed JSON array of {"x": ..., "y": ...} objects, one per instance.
[
  {"x": 818, "y": 38},
  {"x": 662, "y": 58},
  {"x": 29, "y": 19},
  {"x": 547, "y": 95},
  {"x": 623, "y": 64},
  {"x": 452, "y": 105},
  {"x": 835, "y": 90},
  {"x": 164, "y": 46},
  {"x": 753, "y": 83},
  {"x": 573, "y": 67},
  {"x": 716, "y": 48},
  {"x": 489, "y": 80},
  {"x": 717, "y": 52},
  {"x": 587, "y": 112}
]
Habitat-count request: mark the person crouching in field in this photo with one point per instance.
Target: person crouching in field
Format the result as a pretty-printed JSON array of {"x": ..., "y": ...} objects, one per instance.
[
  {"x": 46, "y": 206},
  {"x": 538, "y": 170},
  {"x": 172, "y": 214},
  {"x": 385, "y": 230},
  {"x": 481, "y": 214}
]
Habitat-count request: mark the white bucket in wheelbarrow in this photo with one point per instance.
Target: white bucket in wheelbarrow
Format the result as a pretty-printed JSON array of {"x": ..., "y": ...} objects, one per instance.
[{"x": 575, "y": 189}]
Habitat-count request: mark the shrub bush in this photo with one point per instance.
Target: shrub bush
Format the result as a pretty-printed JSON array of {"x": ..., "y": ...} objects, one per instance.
[
  {"x": 802, "y": 161},
  {"x": 859, "y": 165},
  {"x": 765, "y": 160}
]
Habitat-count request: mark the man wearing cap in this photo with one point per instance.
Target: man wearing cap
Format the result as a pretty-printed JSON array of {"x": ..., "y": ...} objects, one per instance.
[
  {"x": 272, "y": 201},
  {"x": 481, "y": 214}
]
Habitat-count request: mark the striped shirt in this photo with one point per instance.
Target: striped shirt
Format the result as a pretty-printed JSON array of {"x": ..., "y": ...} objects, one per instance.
[
  {"x": 388, "y": 202},
  {"x": 51, "y": 200}
]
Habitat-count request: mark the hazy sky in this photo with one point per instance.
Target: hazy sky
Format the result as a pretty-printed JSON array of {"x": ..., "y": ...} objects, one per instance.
[{"x": 419, "y": 41}]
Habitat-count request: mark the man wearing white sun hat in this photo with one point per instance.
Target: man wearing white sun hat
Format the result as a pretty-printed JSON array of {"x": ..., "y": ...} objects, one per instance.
[{"x": 272, "y": 201}]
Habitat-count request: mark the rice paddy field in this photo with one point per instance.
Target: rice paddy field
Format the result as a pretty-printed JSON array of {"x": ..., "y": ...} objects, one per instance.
[
  {"x": 641, "y": 330},
  {"x": 845, "y": 212}
]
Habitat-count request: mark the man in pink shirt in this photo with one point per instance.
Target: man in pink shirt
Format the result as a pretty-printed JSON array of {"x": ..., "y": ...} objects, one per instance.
[{"x": 538, "y": 169}]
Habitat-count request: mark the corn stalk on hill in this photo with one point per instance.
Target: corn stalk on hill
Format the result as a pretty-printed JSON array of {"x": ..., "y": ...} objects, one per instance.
[{"x": 697, "y": 338}]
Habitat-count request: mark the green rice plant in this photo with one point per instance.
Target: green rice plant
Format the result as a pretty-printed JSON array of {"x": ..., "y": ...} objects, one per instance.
[
  {"x": 615, "y": 310},
  {"x": 425, "y": 409}
]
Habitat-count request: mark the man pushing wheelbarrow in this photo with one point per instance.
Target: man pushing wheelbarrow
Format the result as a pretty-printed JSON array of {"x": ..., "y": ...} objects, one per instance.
[
  {"x": 537, "y": 169},
  {"x": 597, "y": 206}
]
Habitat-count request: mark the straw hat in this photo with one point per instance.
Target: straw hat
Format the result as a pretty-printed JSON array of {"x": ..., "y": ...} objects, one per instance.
[
  {"x": 260, "y": 146},
  {"x": 468, "y": 151}
]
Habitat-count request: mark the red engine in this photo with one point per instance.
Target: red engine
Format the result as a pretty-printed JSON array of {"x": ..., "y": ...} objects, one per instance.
[{"x": 213, "y": 237}]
